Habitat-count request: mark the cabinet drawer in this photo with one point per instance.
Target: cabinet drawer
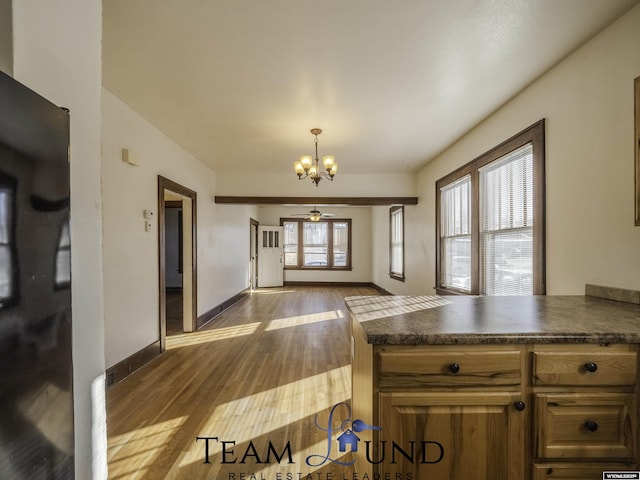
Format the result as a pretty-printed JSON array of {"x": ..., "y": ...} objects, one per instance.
[
  {"x": 589, "y": 366},
  {"x": 579, "y": 471},
  {"x": 585, "y": 426},
  {"x": 409, "y": 369}
]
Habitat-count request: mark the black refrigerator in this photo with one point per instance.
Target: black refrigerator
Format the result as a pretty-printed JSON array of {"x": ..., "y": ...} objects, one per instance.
[{"x": 36, "y": 396}]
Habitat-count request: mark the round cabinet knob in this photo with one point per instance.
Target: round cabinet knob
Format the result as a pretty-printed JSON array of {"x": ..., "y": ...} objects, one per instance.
[
  {"x": 519, "y": 405},
  {"x": 591, "y": 366},
  {"x": 454, "y": 367},
  {"x": 591, "y": 426}
]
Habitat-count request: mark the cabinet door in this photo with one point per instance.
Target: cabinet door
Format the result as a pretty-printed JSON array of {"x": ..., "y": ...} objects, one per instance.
[
  {"x": 477, "y": 435},
  {"x": 586, "y": 425}
]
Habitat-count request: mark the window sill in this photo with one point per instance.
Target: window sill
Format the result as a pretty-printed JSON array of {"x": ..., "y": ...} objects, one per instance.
[
  {"x": 331, "y": 269},
  {"x": 450, "y": 291},
  {"x": 395, "y": 276}
]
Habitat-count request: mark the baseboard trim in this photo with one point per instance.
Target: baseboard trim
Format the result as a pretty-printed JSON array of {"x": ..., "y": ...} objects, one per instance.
[
  {"x": 126, "y": 367},
  {"x": 338, "y": 284},
  {"x": 327, "y": 284},
  {"x": 381, "y": 290},
  {"x": 217, "y": 310}
]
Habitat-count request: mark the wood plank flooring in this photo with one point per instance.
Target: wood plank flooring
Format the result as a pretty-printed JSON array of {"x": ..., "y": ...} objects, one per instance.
[
  {"x": 174, "y": 313},
  {"x": 259, "y": 375}
]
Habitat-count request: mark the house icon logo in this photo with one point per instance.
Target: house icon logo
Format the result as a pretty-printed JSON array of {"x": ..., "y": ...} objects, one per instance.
[
  {"x": 346, "y": 430},
  {"x": 348, "y": 438}
]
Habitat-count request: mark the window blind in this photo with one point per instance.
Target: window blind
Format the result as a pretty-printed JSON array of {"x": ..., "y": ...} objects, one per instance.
[
  {"x": 397, "y": 243},
  {"x": 315, "y": 244},
  {"x": 506, "y": 224},
  {"x": 455, "y": 228},
  {"x": 290, "y": 243},
  {"x": 340, "y": 243}
]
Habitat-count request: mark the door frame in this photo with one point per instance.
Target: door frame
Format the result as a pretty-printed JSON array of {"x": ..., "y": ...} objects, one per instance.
[
  {"x": 163, "y": 185},
  {"x": 253, "y": 262}
]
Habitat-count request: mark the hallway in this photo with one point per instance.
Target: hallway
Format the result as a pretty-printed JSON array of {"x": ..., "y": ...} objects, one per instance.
[{"x": 257, "y": 375}]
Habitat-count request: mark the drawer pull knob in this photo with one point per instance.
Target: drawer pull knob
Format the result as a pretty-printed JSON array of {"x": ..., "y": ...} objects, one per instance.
[
  {"x": 454, "y": 367},
  {"x": 591, "y": 366},
  {"x": 519, "y": 405},
  {"x": 591, "y": 426}
]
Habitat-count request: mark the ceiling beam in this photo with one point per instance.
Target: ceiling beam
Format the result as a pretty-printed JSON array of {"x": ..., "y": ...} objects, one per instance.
[{"x": 346, "y": 201}]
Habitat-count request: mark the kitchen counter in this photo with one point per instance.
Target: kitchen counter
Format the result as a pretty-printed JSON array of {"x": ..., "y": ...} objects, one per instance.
[{"x": 467, "y": 320}]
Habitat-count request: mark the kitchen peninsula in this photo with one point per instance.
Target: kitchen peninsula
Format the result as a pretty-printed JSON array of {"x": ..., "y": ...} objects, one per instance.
[{"x": 495, "y": 388}]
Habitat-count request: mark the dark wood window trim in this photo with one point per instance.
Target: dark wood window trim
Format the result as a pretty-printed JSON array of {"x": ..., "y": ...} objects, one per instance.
[
  {"x": 396, "y": 275},
  {"x": 534, "y": 135},
  {"x": 300, "y": 265}
]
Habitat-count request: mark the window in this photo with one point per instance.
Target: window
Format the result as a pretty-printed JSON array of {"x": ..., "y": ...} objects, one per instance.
[
  {"x": 396, "y": 243},
  {"x": 63, "y": 258},
  {"x": 491, "y": 221},
  {"x": 8, "y": 254},
  {"x": 455, "y": 234},
  {"x": 323, "y": 245}
]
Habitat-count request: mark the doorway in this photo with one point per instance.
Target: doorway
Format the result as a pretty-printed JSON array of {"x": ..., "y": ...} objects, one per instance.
[
  {"x": 177, "y": 251},
  {"x": 173, "y": 255}
]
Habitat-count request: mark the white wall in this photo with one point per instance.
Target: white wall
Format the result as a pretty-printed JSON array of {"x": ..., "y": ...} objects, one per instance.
[
  {"x": 360, "y": 240},
  {"x": 131, "y": 254},
  {"x": 6, "y": 37},
  {"x": 588, "y": 102},
  {"x": 417, "y": 278},
  {"x": 57, "y": 53}
]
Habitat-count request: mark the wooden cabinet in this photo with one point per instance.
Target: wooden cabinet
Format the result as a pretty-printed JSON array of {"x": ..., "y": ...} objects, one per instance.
[
  {"x": 573, "y": 471},
  {"x": 452, "y": 435},
  {"x": 585, "y": 410},
  {"x": 445, "y": 412},
  {"x": 496, "y": 412},
  {"x": 587, "y": 426}
]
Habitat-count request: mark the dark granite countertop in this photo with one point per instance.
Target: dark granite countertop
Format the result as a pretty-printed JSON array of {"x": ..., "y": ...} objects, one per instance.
[{"x": 461, "y": 320}]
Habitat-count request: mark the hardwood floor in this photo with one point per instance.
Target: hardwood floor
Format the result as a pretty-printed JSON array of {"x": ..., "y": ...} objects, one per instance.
[
  {"x": 259, "y": 375},
  {"x": 174, "y": 312}
]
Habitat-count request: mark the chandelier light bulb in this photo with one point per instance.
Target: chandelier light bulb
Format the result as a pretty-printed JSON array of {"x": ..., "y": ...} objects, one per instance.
[{"x": 306, "y": 161}]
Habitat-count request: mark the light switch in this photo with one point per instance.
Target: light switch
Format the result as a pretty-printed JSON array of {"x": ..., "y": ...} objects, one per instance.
[{"x": 128, "y": 156}]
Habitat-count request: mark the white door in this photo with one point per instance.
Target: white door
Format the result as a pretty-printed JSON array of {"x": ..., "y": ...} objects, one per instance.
[{"x": 270, "y": 256}]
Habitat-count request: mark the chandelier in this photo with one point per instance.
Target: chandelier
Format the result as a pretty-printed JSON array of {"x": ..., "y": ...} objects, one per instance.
[{"x": 305, "y": 168}]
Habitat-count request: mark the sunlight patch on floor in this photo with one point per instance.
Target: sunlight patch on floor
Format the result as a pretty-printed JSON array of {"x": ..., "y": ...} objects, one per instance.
[
  {"x": 282, "y": 405},
  {"x": 206, "y": 336},
  {"x": 372, "y": 308},
  {"x": 143, "y": 447},
  {"x": 281, "y": 414},
  {"x": 304, "y": 319}
]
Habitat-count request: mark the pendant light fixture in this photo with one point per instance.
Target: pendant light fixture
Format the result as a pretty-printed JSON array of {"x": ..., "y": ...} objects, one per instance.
[{"x": 305, "y": 166}]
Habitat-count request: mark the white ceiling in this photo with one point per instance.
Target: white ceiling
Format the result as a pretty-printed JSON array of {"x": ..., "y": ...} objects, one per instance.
[{"x": 239, "y": 83}]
